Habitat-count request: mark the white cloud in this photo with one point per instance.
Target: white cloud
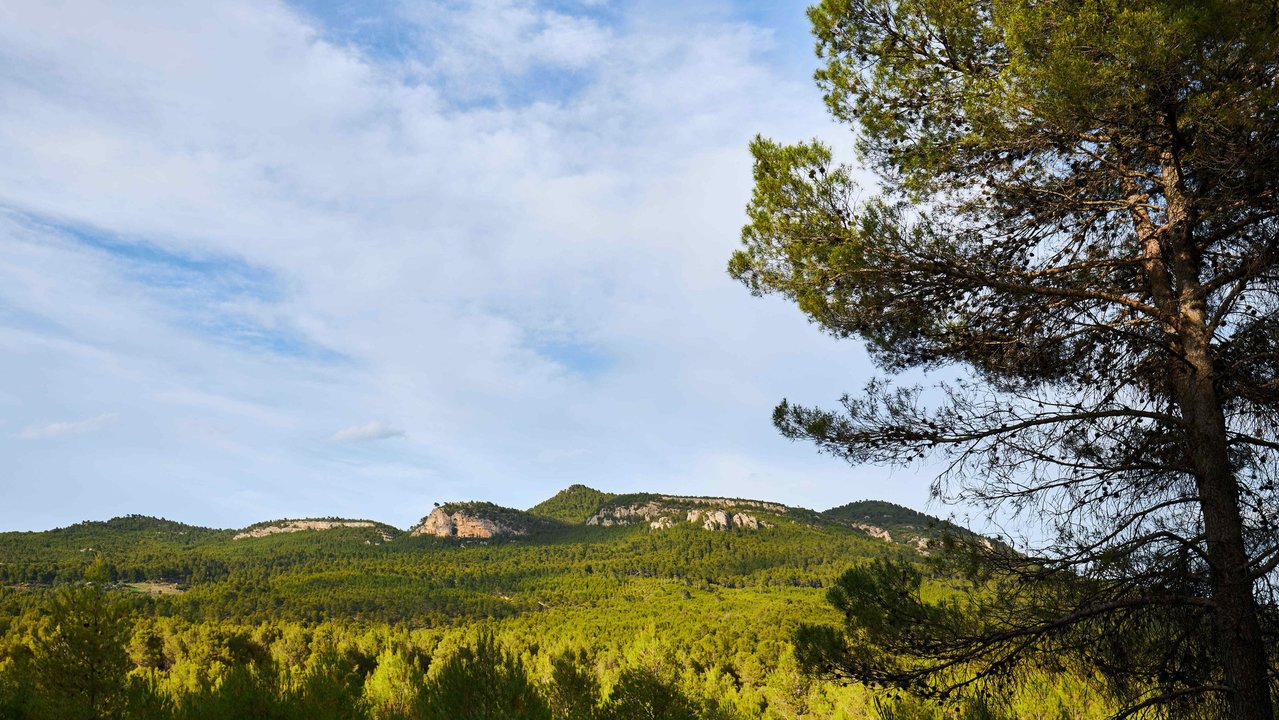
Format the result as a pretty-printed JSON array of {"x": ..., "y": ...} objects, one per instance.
[
  {"x": 376, "y": 430},
  {"x": 440, "y": 251},
  {"x": 60, "y": 429},
  {"x": 485, "y": 47}
]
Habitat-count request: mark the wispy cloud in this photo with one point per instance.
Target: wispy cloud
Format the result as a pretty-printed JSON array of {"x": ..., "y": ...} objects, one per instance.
[
  {"x": 509, "y": 217},
  {"x": 376, "y": 430},
  {"x": 505, "y": 48},
  {"x": 60, "y": 429}
]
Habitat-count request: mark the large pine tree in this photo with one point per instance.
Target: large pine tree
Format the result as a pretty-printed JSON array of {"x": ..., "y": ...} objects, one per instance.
[{"x": 1077, "y": 211}]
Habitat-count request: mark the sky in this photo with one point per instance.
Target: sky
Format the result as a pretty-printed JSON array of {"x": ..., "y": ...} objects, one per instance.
[{"x": 263, "y": 260}]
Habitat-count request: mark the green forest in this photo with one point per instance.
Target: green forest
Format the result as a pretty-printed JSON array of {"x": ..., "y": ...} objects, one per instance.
[
  {"x": 1053, "y": 229},
  {"x": 139, "y": 617}
]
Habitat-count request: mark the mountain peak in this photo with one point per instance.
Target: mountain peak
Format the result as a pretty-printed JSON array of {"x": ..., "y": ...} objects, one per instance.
[
  {"x": 573, "y": 505},
  {"x": 893, "y": 522},
  {"x": 139, "y": 523}
]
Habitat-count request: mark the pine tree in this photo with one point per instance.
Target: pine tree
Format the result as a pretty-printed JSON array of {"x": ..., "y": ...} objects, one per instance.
[
  {"x": 79, "y": 655},
  {"x": 1078, "y": 216},
  {"x": 482, "y": 682}
]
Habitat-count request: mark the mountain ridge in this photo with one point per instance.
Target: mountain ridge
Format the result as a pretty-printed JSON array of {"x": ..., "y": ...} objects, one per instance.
[
  {"x": 574, "y": 509},
  {"x": 467, "y": 559}
]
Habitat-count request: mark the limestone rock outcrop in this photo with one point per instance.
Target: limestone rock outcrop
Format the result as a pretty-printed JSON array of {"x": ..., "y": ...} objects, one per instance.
[
  {"x": 723, "y": 520},
  {"x": 727, "y": 503},
  {"x": 651, "y": 513},
  {"x": 665, "y": 512},
  {"x": 292, "y": 526},
  {"x": 875, "y": 532},
  {"x": 448, "y": 522}
]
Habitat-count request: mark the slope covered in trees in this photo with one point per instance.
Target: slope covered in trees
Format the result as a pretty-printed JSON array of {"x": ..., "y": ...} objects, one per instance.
[
  {"x": 585, "y": 621},
  {"x": 902, "y": 524},
  {"x": 573, "y": 504}
]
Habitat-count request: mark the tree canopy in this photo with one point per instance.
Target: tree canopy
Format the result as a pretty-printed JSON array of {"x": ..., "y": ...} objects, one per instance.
[
  {"x": 1076, "y": 210},
  {"x": 627, "y": 621}
]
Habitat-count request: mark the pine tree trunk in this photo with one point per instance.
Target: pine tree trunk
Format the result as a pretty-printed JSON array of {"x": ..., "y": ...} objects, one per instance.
[
  {"x": 1175, "y": 283},
  {"x": 1235, "y": 623},
  {"x": 1237, "y": 629}
]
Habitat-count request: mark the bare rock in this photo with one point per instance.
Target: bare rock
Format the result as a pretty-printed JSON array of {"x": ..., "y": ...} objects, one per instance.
[
  {"x": 661, "y": 515},
  {"x": 292, "y": 526},
  {"x": 729, "y": 503},
  {"x": 717, "y": 520},
  {"x": 628, "y": 514},
  {"x": 462, "y": 524},
  {"x": 875, "y": 532}
]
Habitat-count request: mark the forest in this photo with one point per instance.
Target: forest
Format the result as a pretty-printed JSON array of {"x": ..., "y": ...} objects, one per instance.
[
  {"x": 1052, "y": 228},
  {"x": 139, "y": 617}
]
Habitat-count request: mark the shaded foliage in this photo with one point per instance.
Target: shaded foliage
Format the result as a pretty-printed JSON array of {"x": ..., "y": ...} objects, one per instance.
[{"x": 1077, "y": 217}]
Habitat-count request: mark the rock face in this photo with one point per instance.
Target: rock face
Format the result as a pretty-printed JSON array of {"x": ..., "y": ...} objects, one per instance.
[
  {"x": 723, "y": 520},
  {"x": 665, "y": 512},
  {"x": 292, "y": 526},
  {"x": 875, "y": 532},
  {"x": 462, "y": 524},
  {"x": 651, "y": 513},
  {"x": 662, "y": 523},
  {"x": 725, "y": 502}
]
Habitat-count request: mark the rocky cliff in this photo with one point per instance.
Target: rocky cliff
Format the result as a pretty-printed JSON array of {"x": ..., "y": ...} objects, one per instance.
[
  {"x": 277, "y": 527},
  {"x": 664, "y": 511},
  {"x": 442, "y": 523},
  {"x": 477, "y": 520}
]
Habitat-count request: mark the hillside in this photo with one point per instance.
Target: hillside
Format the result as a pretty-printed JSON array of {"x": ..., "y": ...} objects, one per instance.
[
  {"x": 661, "y": 512},
  {"x": 453, "y": 561},
  {"x": 574, "y": 504},
  {"x": 881, "y": 513},
  {"x": 698, "y": 595},
  {"x": 480, "y": 520},
  {"x": 894, "y": 523},
  {"x": 368, "y": 530},
  {"x": 130, "y": 526},
  {"x": 154, "y": 549}
]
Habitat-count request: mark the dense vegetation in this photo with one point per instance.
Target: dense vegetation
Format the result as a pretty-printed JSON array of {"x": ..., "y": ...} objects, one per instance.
[
  {"x": 575, "y": 622},
  {"x": 1075, "y": 215},
  {"x": 573, "y": 504}
]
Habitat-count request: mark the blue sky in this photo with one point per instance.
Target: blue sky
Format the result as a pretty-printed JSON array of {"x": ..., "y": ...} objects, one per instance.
[{"x": 262, "y": 260}]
